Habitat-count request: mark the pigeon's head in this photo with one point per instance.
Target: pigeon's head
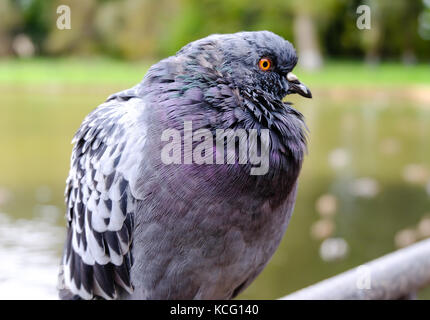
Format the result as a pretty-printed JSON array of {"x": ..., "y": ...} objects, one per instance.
[{"x": 253, "y": 61}]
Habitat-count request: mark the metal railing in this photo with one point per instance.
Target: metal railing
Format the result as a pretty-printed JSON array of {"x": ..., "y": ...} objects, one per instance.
[{"x": 398, "y": 275}]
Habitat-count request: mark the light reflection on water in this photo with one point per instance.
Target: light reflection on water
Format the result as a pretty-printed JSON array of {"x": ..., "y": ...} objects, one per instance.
[{"x": 29, "y": 258}]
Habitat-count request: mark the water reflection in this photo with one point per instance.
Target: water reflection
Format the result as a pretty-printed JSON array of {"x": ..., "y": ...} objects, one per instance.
[
  {"x": 29, "y": 258},
  {"x": 364, "y": 187},
  {"x": 333, "y": 249},
  {"x": 416, "y": 173}
]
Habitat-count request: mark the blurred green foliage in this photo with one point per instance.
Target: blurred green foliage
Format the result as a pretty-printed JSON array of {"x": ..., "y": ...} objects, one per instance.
[{"x": 149, "y": 29}]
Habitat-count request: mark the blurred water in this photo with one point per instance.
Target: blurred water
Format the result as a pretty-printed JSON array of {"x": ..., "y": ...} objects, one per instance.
[
  {"x": 364, "y": 190},
  {"x": 29, "y": 258}
]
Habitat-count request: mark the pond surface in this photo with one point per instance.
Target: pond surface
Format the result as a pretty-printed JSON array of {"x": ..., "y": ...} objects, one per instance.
[{"x": 364, "y": 189}]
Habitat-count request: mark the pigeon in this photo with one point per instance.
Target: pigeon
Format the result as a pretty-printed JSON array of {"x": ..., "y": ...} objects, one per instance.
[{"x": 141, "y": 228}]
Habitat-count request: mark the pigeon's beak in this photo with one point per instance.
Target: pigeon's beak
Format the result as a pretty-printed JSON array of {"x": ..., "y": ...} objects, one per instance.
[{"x": 295, "y": 86}]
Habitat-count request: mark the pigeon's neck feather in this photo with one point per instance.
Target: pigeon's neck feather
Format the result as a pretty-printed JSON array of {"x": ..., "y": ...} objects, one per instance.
[{"x": 211, "y": 102}]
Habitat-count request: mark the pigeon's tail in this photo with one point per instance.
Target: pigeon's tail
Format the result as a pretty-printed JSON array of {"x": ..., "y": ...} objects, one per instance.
[{"x": 65, "y": 294}]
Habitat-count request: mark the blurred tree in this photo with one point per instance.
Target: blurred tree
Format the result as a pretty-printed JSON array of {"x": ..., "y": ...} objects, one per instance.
[
  {"x": 150, "y": 29},
  {"x": 424, "y": 21},
  {"x": 36, "y": 14},
  {"x": 81, "y": 37},
  {"x": 198, "y": 18},
  {"x": 394, "y": 30},
  {"x": 371, "y": 39},
  {"x": 409, "y": 13},
  {"x": 307, "y": 15},
  {"x": 10, "y": 21},
  {"x": 133, "y": 28},
  {"x": 340, "y": 36}
]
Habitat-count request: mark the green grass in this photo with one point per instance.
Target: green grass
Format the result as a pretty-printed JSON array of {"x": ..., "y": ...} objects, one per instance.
[
  {"x": 43, "y": 71},
  {"x": 71, "y": 71},
  {"x": 349, "y": 73}
]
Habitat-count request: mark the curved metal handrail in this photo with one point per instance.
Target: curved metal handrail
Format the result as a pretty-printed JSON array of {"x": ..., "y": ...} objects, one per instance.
[{"x": 394, "y": 276}]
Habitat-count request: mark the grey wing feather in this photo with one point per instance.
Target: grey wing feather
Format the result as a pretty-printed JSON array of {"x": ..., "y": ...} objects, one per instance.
[{"x": 101, "y": 200}]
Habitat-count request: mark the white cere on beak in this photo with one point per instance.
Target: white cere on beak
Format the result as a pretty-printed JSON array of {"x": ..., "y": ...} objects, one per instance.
[{"x": 292, "y": 77}]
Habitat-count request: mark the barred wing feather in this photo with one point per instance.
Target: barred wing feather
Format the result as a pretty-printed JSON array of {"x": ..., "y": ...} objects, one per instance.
[{"x": 101, "y": 200}]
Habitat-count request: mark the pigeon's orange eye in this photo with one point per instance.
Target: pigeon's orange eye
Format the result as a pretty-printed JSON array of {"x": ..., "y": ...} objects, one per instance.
[{"x": 265, "y": 64}]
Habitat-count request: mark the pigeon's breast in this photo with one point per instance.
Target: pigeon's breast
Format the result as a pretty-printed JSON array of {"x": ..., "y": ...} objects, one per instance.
[
  {"x": 199, "y": 243},
  {"x": 205, "y": 230}
]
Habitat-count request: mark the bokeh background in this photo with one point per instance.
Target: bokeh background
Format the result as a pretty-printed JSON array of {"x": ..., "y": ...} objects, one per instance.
[{"x": 365, "y": 186}]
